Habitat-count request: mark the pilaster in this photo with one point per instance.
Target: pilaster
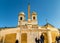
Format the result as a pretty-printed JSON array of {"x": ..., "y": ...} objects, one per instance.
[
  {"x": 3, "y": 38},
  {"x": 49, "y": 37}
]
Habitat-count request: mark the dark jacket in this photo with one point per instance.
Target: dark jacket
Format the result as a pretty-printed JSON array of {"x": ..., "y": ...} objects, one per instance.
[{"x": 42, "y": 37}]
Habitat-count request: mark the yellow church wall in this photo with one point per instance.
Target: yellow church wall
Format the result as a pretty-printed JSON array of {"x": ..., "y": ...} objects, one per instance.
[
  {"x": 45, "y": 38},
  {"x": 54, "y": 34},
  {"x": 10, "y": 38},
  {"x": 0, "y": 37}
]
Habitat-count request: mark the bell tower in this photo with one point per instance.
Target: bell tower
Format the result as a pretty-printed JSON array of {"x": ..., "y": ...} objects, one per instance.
[
  {"x": 34, "y": 18},
  {"x": 21, "y": 18}
]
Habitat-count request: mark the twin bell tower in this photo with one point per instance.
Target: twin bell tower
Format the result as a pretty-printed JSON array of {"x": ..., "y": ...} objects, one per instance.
[{"x": 32, "y": 18}]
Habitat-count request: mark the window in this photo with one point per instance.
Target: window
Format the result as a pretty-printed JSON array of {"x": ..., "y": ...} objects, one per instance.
[
  {"x": 34, "y": 18},
  {"x": 20, "y": 18}
]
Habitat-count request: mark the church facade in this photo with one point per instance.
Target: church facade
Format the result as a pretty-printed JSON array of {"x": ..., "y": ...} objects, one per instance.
[{"x": 28, "y": 30}]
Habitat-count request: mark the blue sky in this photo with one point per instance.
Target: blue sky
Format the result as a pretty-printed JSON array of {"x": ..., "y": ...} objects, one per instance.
[{"x": 46, "y": 9}]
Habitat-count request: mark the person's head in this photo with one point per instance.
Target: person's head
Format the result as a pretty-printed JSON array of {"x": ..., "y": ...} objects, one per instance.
[{"x": 16, "y": 41}]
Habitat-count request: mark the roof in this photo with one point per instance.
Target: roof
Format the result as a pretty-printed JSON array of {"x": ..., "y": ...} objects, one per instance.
[
  {"x": 48, "y": 24},
  {"x": 22, "y": 13},
  {"x": 34, "y": 12}
]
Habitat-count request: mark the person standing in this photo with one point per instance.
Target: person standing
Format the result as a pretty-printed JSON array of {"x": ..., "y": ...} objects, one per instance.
[
  {"x": 36, "y": 40},
  {"x": 57, "y": 39},
  {"x": 42, "y": 38}
]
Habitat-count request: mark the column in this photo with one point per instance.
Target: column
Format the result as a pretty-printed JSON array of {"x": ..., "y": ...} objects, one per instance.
[
  {"x": 3, "y": 38},
  {"x": 20, "y": 32},
  {"x": 20, "y": 38},
  {"x": 17, "y": 36},
  {"x": 49, "y": 37},
  {"x": 29, "y": 37}
]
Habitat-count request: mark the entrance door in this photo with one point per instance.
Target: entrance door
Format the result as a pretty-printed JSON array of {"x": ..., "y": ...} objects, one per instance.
[{"x": 24, "y": 38}]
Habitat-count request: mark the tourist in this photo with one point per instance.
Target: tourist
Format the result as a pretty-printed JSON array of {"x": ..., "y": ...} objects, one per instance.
[
  {"x": 42, "y": 38},
  {"x": 57, "y": 39},
  {"x": 36, "y": 40}
]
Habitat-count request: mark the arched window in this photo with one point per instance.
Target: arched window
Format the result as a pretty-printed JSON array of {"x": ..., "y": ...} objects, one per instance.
[
  {"x": 20, "y": 18},
  {"x": 34, "y": 18}
]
